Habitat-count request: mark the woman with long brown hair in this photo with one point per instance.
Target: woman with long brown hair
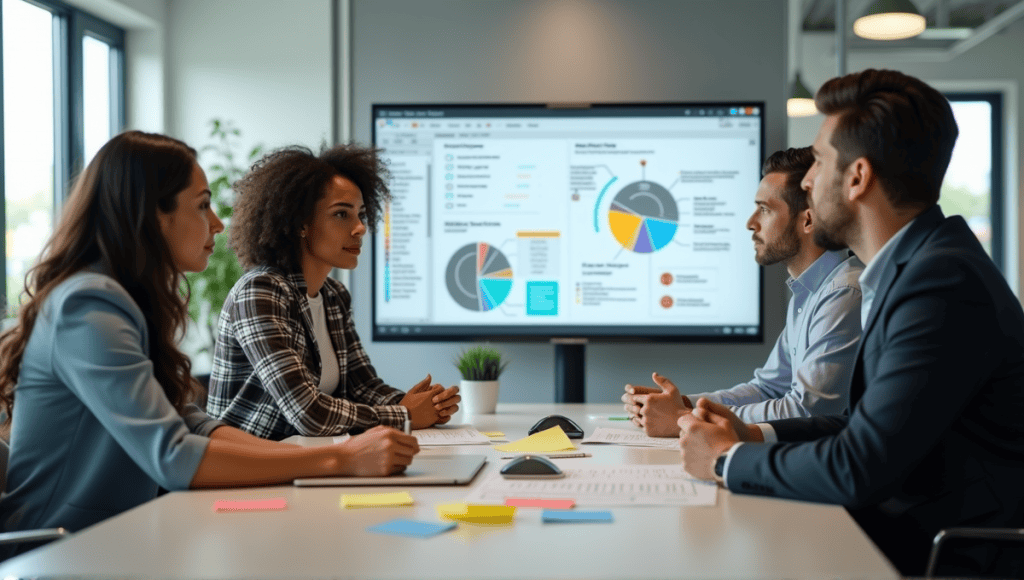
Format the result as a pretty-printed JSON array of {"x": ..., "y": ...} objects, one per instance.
[{"x": 97, "y": 394}]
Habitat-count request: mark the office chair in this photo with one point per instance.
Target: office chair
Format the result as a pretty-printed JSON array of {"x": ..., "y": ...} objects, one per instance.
[
  {"x": 25, "y": 536},
  {"x": 988, "y": 534}
]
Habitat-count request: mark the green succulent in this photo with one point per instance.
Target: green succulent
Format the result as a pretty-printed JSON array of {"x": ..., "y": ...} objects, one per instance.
[{"x": 480, "y": 363}]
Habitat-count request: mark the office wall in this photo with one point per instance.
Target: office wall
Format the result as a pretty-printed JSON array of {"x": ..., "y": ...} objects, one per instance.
[
  {"x": 264, "y": 64},
  {"x": 541, "y": 51},
  {"x": 993, "y": 64}
]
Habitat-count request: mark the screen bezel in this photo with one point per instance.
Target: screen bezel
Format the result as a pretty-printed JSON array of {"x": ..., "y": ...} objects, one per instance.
[{"x": 597, "y": 334}]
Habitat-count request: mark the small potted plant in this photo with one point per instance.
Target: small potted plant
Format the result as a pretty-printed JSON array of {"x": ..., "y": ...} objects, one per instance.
[{"x": 480, "y": 367}]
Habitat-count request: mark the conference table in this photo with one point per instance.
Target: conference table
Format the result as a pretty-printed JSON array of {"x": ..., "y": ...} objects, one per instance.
[{"x": 178, "y": 535}]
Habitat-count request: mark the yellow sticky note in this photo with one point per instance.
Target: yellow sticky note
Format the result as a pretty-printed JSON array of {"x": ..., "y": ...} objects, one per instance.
[
  {"x": 477, "y": 514},
  {"x": 376, "y": 499},
  {"x": 553, "y": 439},
  {"x": 492, "y": 434}
]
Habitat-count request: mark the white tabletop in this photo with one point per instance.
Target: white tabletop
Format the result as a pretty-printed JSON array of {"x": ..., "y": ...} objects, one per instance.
[{"x": 179, "y": 536}]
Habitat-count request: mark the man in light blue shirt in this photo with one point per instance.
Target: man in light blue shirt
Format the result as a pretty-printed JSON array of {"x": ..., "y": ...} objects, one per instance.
[{"x": 808, "y": 372}]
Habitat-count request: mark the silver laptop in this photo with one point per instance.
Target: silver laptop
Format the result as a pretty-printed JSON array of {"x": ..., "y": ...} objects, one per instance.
[{"x": 430, "y": 470}]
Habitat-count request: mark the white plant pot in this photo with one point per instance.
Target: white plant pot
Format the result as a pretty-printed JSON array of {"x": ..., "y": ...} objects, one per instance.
[{"x": 478, "y": 397}]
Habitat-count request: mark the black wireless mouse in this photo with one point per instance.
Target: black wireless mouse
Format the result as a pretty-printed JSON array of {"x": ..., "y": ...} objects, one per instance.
[
  {"x": 572, "y": 430},
  {"x": 531, "y": 467}
]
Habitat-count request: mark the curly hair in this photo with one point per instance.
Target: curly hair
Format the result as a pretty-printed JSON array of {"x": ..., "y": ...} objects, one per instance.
[
  {"x": 111, "y": 220},
  {"x": 901, "y": 125},
  {"x": 277, "y": 197},
  {"x": 794, "y": 163}
]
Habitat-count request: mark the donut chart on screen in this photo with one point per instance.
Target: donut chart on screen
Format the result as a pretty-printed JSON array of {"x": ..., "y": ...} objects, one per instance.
[
  {"x": 643, "y": 217},
  {"x": 479, "y": 277}
]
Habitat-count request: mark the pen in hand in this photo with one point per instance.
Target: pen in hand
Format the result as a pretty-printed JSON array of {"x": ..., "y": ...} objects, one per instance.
[{"x": 408, "y": 427}]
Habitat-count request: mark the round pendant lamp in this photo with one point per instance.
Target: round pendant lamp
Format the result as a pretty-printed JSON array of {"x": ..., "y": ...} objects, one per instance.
[{"x": 890, "y": 20}]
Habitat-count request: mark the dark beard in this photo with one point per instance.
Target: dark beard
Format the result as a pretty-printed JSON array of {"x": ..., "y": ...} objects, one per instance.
[
  {"x": 785, "y": 248},
  {"x": 833, "y": 235},
  {"x": 830, "y": 240}
]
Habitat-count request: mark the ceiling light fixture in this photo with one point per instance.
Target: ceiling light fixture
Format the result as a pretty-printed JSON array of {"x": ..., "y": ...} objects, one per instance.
[
  {"x": 890, "y": 20},
  {"x": 800, "y": 102}
]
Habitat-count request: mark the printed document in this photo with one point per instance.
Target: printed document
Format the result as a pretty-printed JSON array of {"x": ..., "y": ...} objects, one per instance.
[
  {"x": 604, "y": 485},
  {"x": 631, "y": 438},
  {"x": 454, "y": 435}
]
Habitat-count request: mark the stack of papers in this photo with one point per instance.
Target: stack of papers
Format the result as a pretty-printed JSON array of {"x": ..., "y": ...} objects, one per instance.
[
  {"x": 454, "y": 435},
  {"x": 631, "y": 438},
  {"x": 605, "y": 485}
]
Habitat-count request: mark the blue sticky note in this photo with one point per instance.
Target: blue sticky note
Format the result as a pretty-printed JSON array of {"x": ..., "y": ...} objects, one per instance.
[
  {"x": 558, "y": 516},
  {"x": 411, "y": 528}
]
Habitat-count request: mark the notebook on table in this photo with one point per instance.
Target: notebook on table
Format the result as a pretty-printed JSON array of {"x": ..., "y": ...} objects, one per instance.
[{"x": 430, "y": 470}]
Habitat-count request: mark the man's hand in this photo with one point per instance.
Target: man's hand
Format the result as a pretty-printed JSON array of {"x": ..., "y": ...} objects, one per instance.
[
  {"x": 706, "y": 409},
  {"x": 701, "y": 442},
  {"x": 630, "y": 405},
  {"x": 446, "y": 404},
  {"x": 656, "y": 411},
  {"x": 419, "y": 402},
  {"x": 377, "y": 452}
]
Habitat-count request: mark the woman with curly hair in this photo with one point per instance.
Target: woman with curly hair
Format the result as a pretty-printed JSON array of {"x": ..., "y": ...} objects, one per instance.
[
  {"x": 97, "y": 394},
  {"x": 288, "y": 360}
]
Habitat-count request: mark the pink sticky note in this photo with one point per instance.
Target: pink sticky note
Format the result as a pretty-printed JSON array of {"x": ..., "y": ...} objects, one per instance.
[
  {"x": 250, "y": 505},
  {"x": 535, "y": 502}
]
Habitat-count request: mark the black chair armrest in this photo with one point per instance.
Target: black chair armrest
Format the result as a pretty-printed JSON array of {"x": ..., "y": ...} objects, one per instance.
[
  {"x": 47, "y": 535},
  {"x": 995, "y": 534}
]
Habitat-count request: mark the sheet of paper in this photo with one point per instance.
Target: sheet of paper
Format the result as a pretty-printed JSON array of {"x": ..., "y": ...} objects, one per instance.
[
  {"x": 604, "y": 485},
  {"x": 477, "y": 514},
  {"x": 224, "y": 505},
  {"x": 534, "y": 502},
  {"x": 411, "y": 528},
  {"x": 553, "y": 439},
  {"x": 376, "y": 499},
  {"x": 630, "y": 437},
  {"x": 454, "y": 435},
  {"x": 493, "y": 434},
  {"x": 572, "y": 516}
]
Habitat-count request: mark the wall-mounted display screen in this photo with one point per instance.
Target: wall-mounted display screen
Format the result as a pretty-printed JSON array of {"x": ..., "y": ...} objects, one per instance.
[{"x": 590, "y": 221}]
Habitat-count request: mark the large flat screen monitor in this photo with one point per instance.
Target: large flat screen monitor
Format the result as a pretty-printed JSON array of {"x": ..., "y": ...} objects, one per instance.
[{"x": 597, "y": 221}]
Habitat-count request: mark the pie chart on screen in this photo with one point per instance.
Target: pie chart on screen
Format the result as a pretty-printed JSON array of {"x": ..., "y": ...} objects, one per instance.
[
  {"x": 479, "y": 277},
  {"x": 643, "y": 217}
]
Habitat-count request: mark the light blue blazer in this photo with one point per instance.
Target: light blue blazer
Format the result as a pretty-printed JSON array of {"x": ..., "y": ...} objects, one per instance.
[{"x": 93, "y": 434}]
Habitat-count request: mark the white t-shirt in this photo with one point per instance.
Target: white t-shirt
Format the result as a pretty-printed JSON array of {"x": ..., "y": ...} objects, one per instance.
[{"x": 330, "y": 374}]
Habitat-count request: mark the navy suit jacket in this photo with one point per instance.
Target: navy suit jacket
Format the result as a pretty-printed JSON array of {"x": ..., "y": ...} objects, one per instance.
[{"x": 936, "y": 434}]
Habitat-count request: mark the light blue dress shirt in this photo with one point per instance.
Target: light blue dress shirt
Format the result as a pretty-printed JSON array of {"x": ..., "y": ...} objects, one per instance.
[
  {"x": 93, "y": 433},
  {"x": 808, "y": 372},
  {"x": 873, "y": 273}
]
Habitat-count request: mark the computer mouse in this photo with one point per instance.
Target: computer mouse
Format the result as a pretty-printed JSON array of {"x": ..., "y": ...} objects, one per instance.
[
  {"x": 531, "y": 467},
  {"x": 572, "y": 430}
]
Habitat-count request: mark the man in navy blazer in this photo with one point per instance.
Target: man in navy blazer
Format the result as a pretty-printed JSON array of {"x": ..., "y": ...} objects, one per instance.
[{"x": 936, "y": 434}]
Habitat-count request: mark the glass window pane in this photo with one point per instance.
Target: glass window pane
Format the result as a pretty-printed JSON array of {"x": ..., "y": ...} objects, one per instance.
[
  {"x": 28, "y": 138},
  {"x": 96, "y": 78},
  {"x": 967, "y": 188}
]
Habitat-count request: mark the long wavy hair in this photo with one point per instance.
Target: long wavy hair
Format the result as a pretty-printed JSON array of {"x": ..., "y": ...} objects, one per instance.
[{"x": 110, "y": 221}]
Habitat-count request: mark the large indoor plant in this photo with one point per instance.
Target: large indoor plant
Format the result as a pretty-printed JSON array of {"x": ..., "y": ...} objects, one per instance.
[{"x": 224, "y": 164}]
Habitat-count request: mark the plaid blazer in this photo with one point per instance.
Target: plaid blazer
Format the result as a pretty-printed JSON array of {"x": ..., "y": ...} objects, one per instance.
[{"x": 266, "y": 364}]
